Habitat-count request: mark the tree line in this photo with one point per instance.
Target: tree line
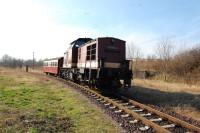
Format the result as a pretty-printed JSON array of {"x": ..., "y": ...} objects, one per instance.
[
  {"x": 184, "y": 64},
  {"x": 9, "y": 61},
  {"x": 169, "y": 65}
]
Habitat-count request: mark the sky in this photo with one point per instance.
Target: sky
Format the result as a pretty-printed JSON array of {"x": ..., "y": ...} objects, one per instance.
[{"x": 48, "y": 26}]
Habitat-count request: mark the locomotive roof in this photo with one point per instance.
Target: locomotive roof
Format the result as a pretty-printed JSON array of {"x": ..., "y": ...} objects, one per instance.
[
  {"x": 81, "y": 40},
  {"x": 102, "y": 38},
  {"x": 110, "y": 38}
]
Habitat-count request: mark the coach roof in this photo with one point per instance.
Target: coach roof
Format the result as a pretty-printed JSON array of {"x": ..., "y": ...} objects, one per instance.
[{"x": 57, "y": 58}]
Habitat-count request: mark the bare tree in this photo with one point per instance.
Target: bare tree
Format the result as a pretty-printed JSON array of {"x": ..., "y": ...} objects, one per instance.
[
  {"x": 8, "y": 61},
  {"x": 164, "y": 52},
  {"x": 187, "y": 61},
  {"x": 134, "y": 53}
]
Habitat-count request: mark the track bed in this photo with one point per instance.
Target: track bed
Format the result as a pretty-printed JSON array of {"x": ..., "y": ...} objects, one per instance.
[{"x": 134, "y": 116}]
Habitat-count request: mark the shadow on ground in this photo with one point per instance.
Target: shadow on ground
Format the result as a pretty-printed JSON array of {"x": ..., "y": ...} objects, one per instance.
[{"x": 161, "y": 98}]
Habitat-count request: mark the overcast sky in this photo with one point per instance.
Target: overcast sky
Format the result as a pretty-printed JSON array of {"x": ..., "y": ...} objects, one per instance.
[{"x": 48, "y": 26}]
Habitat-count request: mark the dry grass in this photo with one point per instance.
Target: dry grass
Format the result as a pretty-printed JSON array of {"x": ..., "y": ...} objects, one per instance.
[
  {"x": 168, "y": 87},
  {"x": 181, "y": 98}
]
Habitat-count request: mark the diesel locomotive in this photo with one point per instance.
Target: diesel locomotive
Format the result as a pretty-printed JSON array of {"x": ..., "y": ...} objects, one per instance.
[{"x": 99, "y": 62}]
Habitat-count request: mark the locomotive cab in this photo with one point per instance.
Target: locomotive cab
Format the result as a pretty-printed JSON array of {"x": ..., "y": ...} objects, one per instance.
[
  {"x": 101, "y": 62},
  {"x": 71, "y": 55},
  {"x": 69, "y": 71}
]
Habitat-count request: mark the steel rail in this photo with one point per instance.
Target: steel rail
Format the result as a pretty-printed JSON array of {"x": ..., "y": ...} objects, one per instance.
[
  {"x": 144, "y": 120},
  {"x": 163, "y": 115}
]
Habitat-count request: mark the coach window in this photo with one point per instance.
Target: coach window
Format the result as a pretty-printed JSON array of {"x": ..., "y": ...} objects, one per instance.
[
  {"x": 88, "y": 53},
  {"x": 93, "y": 52},
  {"x": 79, "y": 53}
]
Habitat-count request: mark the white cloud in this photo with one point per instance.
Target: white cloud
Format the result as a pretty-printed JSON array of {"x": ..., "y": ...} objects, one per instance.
[
  {"x": 144, "y": 41},
  {"x": 26, "y": 27}
]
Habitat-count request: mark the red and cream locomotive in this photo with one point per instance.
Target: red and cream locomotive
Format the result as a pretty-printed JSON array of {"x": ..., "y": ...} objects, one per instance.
[{"x": 99, "y": 62}]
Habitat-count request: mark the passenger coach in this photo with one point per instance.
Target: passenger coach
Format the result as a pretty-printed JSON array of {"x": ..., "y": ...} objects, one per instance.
[{"x": 52, "y": 66}]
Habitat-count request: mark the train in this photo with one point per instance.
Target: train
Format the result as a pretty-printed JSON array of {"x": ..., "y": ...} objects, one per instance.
[{"x": 99, "y": 63}]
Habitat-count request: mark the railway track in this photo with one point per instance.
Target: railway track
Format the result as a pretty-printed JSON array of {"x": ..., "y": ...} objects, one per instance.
[{"x": 136, "y": 117}]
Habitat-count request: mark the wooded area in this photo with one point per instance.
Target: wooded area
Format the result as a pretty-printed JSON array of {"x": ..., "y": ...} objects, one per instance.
[
  {"x": 181, "y": 66},
  {"x": 8, "y": 61}
]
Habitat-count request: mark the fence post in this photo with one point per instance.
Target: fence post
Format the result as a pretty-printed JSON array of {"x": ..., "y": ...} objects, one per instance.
[{"x": 26, "y": 68}]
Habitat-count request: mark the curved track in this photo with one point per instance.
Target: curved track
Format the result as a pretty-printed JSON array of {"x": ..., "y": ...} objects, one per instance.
[{"x": 137, "y": 117}]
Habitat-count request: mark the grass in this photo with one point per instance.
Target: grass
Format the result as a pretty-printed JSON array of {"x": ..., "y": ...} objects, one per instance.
[{"x": 30, "y": 103}]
